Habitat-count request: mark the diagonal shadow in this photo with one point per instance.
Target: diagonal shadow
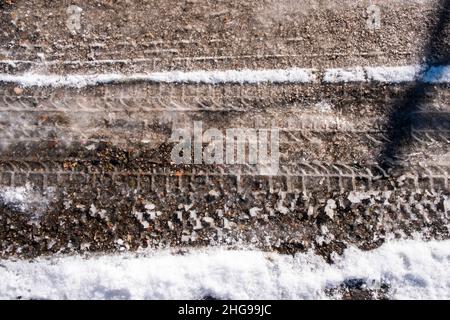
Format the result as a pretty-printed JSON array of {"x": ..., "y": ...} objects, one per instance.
[{"x": 405, "y": 113}]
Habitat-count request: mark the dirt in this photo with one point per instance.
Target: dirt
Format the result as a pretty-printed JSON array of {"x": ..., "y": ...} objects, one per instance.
[{"x": 94, "y": 163}]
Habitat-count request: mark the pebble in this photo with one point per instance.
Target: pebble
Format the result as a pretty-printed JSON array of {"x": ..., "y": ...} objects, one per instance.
[{"x": 18, "y": 91}]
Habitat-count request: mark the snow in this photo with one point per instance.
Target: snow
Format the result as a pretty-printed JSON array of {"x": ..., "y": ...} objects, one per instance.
[
  {"x": 358, "y": 196},
  {"x": 414, "y": 269},
  {"x": 293, "y": 75},
  {"x": 447, "y": 205},
  {"x": 337, "y": 75},
  {"x": 330, "y": 207},
  {"x": 388, "y": 74},
  {"x": 25, "y": 199},
  {"x": 439, "y": 74},
  {"x": 394, "y": 74},
  {"x": 15, "y": 196}
]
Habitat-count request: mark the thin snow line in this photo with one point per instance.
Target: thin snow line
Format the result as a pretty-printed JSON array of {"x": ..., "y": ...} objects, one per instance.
[
  {"x": 294, "y": 75},
  {"x": 384, "y": 74}
]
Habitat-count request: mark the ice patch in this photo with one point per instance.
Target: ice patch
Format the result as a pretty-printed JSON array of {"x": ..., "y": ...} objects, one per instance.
[{"x": 413, "y": 269}]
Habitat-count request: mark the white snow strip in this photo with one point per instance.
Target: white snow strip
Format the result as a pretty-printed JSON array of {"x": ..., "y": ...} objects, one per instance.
[
  {"x": 413, "y": 269},
  {"x": 393, "y": 75},
  {"x": 396, "y": 74},
  {"x": 210, "y": 77},
  {"x": 344, "y": 75}
]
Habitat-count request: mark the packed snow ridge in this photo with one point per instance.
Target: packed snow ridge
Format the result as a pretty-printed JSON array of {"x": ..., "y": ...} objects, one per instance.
[
  {"x": 411, "y": 268},
  {"x": 385, "y": 74}
]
